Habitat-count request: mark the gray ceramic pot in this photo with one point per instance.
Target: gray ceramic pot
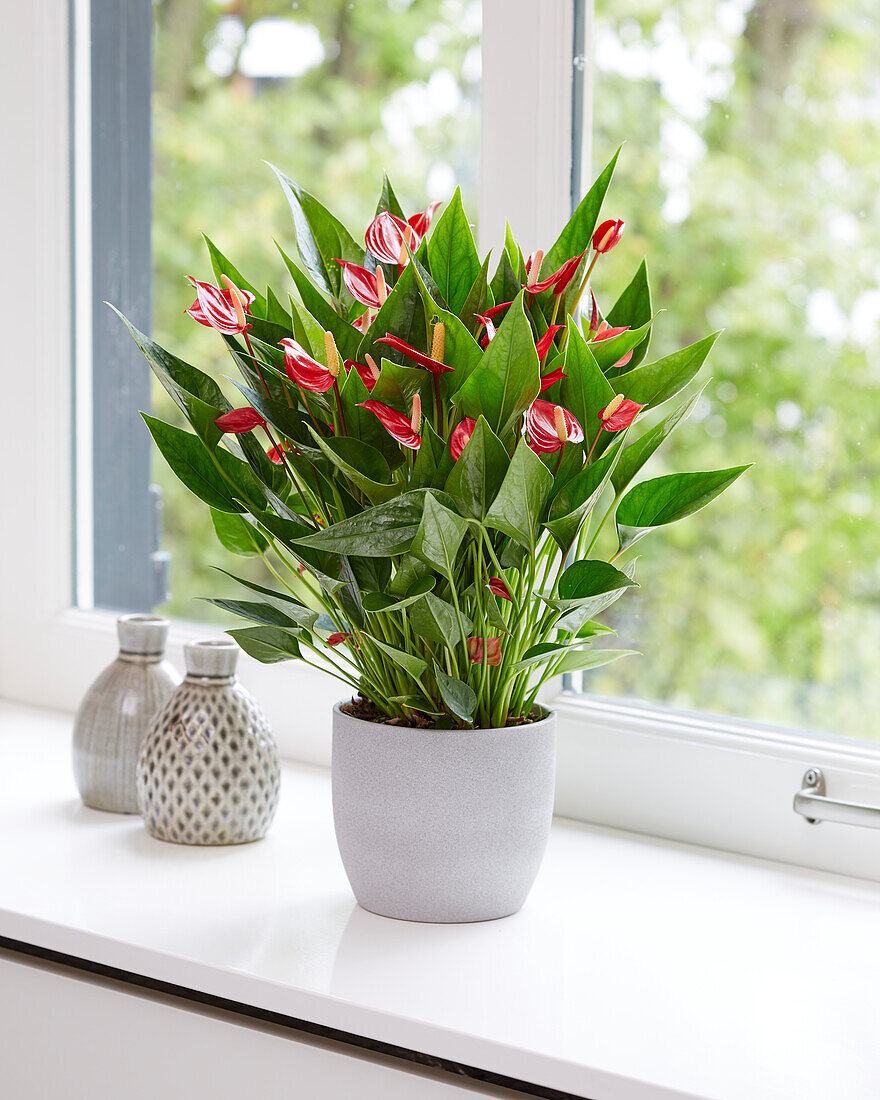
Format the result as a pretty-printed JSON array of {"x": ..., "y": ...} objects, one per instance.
[
  {"x": 115, "y": 712},
  {"x": 208, "y": 771},
  {"x": 442, "y": 825}
]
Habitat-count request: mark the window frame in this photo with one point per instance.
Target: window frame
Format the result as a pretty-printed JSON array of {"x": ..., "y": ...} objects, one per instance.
[{"x": 696, "y": 778}]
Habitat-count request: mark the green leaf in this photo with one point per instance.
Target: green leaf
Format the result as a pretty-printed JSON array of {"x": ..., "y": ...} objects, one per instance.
[
  {"x": 223, "y": 266},
  {"x": 263, "y": 613},
  {"x": 379, "y": 532},
  {"x": 436, "y": 621},
  {"x": 397, "y": 384},
  {"x": 439, "y": 536},
  {"x": 321, "y": 239},
  {"x": 477, "y": 299},
  {"x": 633, "y": 308},
  {"x": 190, "y": 461},
  {"x": 519, "y": 506},
  {"x": 416, "y": 702},
  {"x": 479, "y": 472},
  {"x": 581, "y": 660},
  {"x": 291, "y": 608},
  {"x": 515, "y": 256},
  {"x": 415, "y": 666},
  {"x": 654, "y": 383},
  {"x": 637, "y": 454},
  {"x": 410, "y": 570},
  {"x": 364, "y": 466},
  {"x": 577, "y": 497},
  {"x": 362, "y": 424},
  {"x": 507, "y": 380},
  {"x": 505, "y": 285},
  {"x": 585, "y": 390},
  {"x": 433, "y": 461},
  {"x": 669, "y": 498},
  {"x": 196, "y": 394},
  {"x": 403, "y": 314},
  {"x": 267, "y": 644},
  {"x": 388, "y": 200},
  {"x": 378, "y": 601},
  {"x": 461, "y": 349},
  {"x": 347, "y": 337},
  {"x": 608, "y": 352},
  {"x": 290, "y": 421},
  {"x": 237, "y": 534},
  {"x": 575, "y": 237},
  {"x": 452, "y": 254},
  {"x": 591, "y": 587},
  {"x": 547, "y": 651},
  {"x": 458, "y": 697}
]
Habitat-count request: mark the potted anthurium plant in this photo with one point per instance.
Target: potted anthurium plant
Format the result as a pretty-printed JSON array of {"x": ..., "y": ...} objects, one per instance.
[{"x": 425, "y": 453}]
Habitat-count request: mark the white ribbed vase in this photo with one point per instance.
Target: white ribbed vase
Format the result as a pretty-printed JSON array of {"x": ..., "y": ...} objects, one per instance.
[
  {"x": 115, "y": 712},
  {"x": 208, "y": 771}
]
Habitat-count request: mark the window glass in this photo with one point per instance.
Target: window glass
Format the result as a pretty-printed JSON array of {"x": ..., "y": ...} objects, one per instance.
[
  {"x": 750, "y": 178},
  {"x": 332, "y": 92}
]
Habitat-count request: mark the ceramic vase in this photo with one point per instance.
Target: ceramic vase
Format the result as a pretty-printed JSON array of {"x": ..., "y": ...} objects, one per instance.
[
  {"x": 208, "y": 771},
  {"x": 115, "y": 712},
  {"x": 442, "y": 825}
]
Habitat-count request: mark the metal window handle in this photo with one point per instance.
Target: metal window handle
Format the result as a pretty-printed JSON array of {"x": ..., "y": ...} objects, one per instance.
[{"x": 812, "y": 802}]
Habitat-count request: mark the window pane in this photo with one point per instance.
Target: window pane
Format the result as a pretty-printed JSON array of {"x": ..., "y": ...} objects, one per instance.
[
  {"x": 750, "y": 178},
  {"x": 330, "y": 91}
]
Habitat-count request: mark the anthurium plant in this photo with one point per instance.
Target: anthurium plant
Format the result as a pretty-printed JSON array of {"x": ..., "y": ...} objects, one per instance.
[{"x": 425, "y": 452}]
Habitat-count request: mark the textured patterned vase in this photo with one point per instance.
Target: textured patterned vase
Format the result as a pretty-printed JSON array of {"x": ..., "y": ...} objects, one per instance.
[
  {"x": 114, "y": 715},
  {"x": 208, "y": 771}
]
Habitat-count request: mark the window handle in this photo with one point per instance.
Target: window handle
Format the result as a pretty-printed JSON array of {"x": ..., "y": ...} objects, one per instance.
[{"x": 812, "y": 802}]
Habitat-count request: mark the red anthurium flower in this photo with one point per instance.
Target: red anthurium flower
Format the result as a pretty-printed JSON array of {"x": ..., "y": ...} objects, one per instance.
[
  {"x": 216, "y": 308},
  {"x": 493, "y": 650},
  {"x": 368, "y": 378},
  {"x": 305, "y": 371},
  {"x": 412, "y": 353},
  {"x": 237, "y": 421},
  {"x": 339, "y": 636},
  {"x": 387, "y": 236},
  {"x": 495, "y": 310},
  {"x": 559, "y": 280},
  {"x": 543, "y": 345},
  {"x": 397, "y": 425},
  {"x": 619, "y": 413},
  {"x": 594, "y": 313},
  {"x": 460, "y": 436},
  {"x": 421, "y": 222},
  {"x": 550, "y": 427},
  {"x": 608, "y": 234},
  {"x": 552, "y": 378},
  {"x": 367, "y": 287},
  {"x": 498, "y": 588}
]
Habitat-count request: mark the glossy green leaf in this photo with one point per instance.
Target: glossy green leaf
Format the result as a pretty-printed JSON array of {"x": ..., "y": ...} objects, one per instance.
[
  {"x": 379, "y": 532},
  {"x": 654, "y": 383},
  {"x": 237, "y": 535},
  {"x": 477, "y": 299},
  {"x": 439, "y": 536},
  {"x": 190, "y": 461},
  {"x": 577, "y": 497},
  {"x": 581, "y": 660},
  {"x": 321, "y": 239},
  {"x": 585, "y": 390},
  {"x": 402, "y": 314},
  {"x": 436, "y": 621},
  {"x": 398, "y": 383},
  {"x": 267, "y": 644},
  {"x": 388, "y": 200},
  {"x": 363, "y": 465},
  {"x": 347, "y": 337},
  {"x": 669, "y": 498},
  {"x": 507, "y": 380},
  {"x": 518, "y": 507},
  {"x": 637, "y": 454},
  {"x": 609, "y": 352},
  {"x": 415, "y": 666},
  {"x": 504, "y": 285},
  {"x": 433, "y": 461},
  {"x": 374, "y": 602},
  {"x": 452, "y": 254},
  {"x": 458, "y": 697},
  {"x": 264, "y": 613},
  {"x": 477, "y": 475},
  {"x": 576, "y": 235},
  {"x": 222, "y": 265},
  {"x": 633, "y": 308},
  {"x": 547, "y": 651}
]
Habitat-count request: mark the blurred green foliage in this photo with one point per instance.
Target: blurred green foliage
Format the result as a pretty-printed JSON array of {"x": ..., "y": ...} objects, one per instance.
[{"x": 749, "y": 180}]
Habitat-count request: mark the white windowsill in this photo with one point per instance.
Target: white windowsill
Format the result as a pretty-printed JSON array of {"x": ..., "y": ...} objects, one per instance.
[{"x": 638, "y": 968}]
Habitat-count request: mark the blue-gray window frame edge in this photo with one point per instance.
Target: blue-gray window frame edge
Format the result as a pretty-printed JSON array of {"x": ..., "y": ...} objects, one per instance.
[{"x": 130, "y": 573}]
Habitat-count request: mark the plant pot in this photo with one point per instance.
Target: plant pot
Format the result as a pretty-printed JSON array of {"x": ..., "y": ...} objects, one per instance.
[{"x": 443, "y": 826}]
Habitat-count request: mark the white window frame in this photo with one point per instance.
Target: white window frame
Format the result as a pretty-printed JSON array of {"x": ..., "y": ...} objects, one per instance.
[{"x": 697, "y": 778}]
